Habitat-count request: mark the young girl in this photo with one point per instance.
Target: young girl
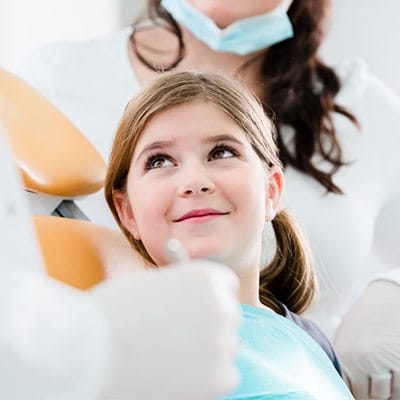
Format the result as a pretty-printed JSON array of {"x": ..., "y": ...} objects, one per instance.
[{"x": 194, "y": 159}]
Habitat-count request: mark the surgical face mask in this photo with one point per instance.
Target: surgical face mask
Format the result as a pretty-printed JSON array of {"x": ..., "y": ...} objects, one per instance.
[{"x": 243, "y": 36}]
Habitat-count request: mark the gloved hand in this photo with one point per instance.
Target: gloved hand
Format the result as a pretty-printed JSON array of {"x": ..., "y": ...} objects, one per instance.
[
  {"x": 368, "y": 343},
  {"x": 173, "y": 332},
  {"x": 53, "y": 342}
]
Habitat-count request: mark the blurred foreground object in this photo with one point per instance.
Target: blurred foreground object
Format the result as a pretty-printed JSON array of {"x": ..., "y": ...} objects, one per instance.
[{"x": 117, "y": 339}]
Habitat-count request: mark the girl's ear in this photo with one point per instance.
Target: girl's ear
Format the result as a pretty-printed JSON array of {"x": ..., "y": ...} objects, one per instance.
[
  {"x": 125, "y": 213},
  {"x": 275, "y": 184}
]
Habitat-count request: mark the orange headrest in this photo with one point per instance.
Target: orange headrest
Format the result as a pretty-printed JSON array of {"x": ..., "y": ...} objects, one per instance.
[{"x": 51, "y": 153}]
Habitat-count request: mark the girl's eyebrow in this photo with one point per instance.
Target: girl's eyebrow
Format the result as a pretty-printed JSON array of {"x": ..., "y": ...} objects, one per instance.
[
  {"x": 157, "y": 145},
  {"x": 223, "y": 138}
]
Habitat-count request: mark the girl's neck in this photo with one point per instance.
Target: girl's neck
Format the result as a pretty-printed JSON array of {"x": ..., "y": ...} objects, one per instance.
[
  {"x": 249, "y": 288},
  {"x": 248, "y": 292}
]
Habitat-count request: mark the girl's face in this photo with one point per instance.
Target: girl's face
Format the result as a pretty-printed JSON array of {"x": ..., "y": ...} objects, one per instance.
[
  {"x": 194, "y": 177},
  {"x": 224, "y": 12}
]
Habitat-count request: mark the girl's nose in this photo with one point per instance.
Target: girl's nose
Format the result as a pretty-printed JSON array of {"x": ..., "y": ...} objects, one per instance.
[
  {"x": 196, "y": 190},
  {"x": 196, "y": 183}
]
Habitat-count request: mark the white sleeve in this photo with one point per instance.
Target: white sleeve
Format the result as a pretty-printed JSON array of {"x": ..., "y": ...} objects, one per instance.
[
  {"x": 391, "y": 276},
  {"x": 387, "y": 240},
  {"x": 53, "y": 341},
  {"x": 386, "y": 244},
  {"x": 43, "y": 67}
]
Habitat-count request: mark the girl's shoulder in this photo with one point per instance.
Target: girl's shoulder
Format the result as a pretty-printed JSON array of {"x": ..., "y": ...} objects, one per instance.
[{"x": 316, "y": 333}]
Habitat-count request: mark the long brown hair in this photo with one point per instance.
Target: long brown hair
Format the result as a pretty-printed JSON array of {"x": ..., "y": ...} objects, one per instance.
[
  {"x": 299, "y": 88},
  {"x": 290, "y": 277}
]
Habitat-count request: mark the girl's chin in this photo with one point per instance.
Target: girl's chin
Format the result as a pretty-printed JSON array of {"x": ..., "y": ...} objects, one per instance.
[
  {"x": 207, "y": 247},
  {"x": 211, "y": 254}
]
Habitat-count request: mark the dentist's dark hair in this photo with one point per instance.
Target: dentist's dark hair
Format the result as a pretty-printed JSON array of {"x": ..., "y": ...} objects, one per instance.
[
  {"x": 289, "y": 278},
  {"x": 299, "y": 87}
]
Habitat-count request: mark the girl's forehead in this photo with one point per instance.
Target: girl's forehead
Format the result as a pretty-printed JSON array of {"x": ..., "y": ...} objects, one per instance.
[{"x": 190, "y": 121}]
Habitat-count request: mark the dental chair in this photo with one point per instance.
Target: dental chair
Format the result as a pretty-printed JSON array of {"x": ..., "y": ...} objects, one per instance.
[
  {"x": 80, "y": 253},
  {"x": 58, "y": 164}
]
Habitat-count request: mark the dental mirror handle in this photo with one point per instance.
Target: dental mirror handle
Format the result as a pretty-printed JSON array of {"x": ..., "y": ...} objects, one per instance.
[{"x": 176, "y": 252}]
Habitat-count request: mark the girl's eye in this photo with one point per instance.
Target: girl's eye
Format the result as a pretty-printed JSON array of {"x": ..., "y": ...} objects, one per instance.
[
  {"x": 158, "y": 161},
  {"x": 222, "y": 151}
]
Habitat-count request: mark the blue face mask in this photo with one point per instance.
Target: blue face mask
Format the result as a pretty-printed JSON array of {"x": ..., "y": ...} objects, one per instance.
[{"x": 242, "y": 36}]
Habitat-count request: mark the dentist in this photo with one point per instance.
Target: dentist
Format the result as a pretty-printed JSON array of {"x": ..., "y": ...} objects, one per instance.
[{"x": 338, "y": 138}]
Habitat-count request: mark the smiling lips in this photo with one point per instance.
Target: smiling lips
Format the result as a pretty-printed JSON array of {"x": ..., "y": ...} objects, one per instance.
[{"x": 201, "y": 215}]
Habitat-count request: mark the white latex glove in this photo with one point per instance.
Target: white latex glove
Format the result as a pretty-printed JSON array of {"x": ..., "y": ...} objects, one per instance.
[
  {"x": 174, "y": 332},
  {"x": 53, "y": 339},
  {"x": 368, "y": 343}
]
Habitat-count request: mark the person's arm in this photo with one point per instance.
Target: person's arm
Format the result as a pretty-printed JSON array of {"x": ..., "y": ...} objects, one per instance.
[
  {"x": 172, "y": 334},
  {"x": 368, "y": 343},
  {"x": 42, "y": 68},
  {"x": 392, "y": 275},
  {"x": 53, "y": 341},
  {"x": 368, "y": 339}
]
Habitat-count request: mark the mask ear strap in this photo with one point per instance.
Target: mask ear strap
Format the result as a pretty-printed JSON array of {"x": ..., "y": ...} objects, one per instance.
[{"x": 283, "y": 6}]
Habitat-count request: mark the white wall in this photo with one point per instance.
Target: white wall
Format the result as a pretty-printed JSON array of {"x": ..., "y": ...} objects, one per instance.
[
  {"x": 359, "y": 28},
  {"x": 25, "y": 24},
  {"x": 368, "y": 29},
  {"x": 130, "y": 10}
]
